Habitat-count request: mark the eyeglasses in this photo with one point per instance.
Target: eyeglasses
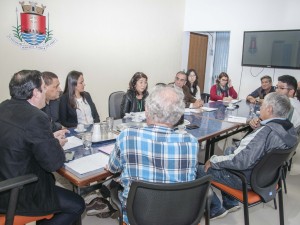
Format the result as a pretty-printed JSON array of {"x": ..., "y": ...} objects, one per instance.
[{"x": 282, "y": 88}]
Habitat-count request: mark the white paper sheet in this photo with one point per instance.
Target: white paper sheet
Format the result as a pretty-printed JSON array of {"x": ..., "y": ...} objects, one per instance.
[
  {"x": 88, "y": 163},
  {"x": 72, "y": 142},
  {"x": 237, "y": 119},
  {"x": 207, "y": 109},
  {"x": 107, "y": 148}
]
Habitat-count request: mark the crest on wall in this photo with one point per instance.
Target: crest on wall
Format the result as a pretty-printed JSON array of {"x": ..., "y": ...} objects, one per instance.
[{"x": 32, "y": 30}]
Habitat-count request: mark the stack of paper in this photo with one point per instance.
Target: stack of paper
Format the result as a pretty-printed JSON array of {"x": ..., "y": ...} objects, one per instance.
[
  {"x": 72, "y": 143},
  {"x": 87, "y": 164},
  {"x": 207, "y": 109},
  {"x": 107, "y": 149},
  {"x": 237, "y": 119}
]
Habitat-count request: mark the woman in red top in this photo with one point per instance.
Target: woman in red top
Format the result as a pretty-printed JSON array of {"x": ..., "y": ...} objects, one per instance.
[{"x": 223, "y": 89}]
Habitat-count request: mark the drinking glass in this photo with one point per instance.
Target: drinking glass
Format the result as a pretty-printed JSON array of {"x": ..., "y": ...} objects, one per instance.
[
  {"x": 110, "y": 123},
  {"x": 87, "y": 140}
]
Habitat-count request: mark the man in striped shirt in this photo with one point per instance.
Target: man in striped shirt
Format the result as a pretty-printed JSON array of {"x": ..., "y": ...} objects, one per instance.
[{"x": 155, "y": 153}]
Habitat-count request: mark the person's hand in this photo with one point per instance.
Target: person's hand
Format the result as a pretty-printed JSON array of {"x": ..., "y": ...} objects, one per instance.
[
  {"x": 251, "y": 99},
  {"x": 198, "y": 103},
  {"x": 61, "y": 137},
  {"x": 254, "y": 123},
  {"x": 207, "y": 166},
  {"x": 228, "y": 99}
]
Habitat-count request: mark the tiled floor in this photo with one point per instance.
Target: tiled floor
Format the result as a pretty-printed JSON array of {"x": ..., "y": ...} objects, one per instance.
[{"x": 263, "y": 214}]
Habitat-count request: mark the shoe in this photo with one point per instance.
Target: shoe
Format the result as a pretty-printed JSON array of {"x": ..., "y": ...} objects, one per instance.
[
  {"x": 90, "y": 197},
  {"x": 97, "y": 206},
  {"x": 232, "y": 208},
  {"x": 222, "y": 213}
]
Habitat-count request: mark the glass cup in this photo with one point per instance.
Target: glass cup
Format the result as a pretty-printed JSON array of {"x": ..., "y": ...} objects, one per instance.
[
  {"x": 181, "y": 129},
  {"x": 110, "y": 123},
  {"x": 80, "y": 127},
  {"x": 103, "y": 130},
  {"x": 87, "y": 140}
]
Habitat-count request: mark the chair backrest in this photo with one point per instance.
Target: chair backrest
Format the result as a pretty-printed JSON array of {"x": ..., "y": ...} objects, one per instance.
[
  {"x": 114, "y": 104},
  {"x": 14, "y": 185},
  {"x": 267, "y": 172},
  {"x": 167, "y": 204},
  {"x": 205, "y": 97}
]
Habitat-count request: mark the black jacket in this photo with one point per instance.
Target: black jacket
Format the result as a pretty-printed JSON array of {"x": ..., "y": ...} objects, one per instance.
[
  {"x": 130, "y": 103},
  {"x": 27, "y": 145},
  {"x": 68, "y": 115},
  {"x": 52, "y": 110}
]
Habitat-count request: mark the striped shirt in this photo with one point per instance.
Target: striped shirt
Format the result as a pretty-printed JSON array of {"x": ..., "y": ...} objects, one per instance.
[{"x": 153, "y": 154}]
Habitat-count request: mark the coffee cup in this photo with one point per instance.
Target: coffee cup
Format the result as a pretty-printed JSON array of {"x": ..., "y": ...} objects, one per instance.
[{"x": 80, "y": 127}]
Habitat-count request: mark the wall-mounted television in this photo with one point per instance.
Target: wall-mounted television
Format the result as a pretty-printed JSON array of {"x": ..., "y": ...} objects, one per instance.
[{"x": 273, "y": 48}]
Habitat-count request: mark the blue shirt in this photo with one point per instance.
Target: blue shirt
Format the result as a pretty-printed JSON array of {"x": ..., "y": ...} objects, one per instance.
[{"x": 153, "y": 154}]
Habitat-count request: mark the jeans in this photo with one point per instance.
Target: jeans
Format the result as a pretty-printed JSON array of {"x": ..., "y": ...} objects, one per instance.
[
  {"x": 72, "y": 206},
  {"x": 224, "y": 177}
]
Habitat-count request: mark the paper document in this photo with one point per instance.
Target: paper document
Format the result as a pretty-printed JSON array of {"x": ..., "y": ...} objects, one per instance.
[
  {"x": 107, "y": 148},
  {"x": 207, "y": 109},
  {"x": 72, "y": 142},
  {"x": 188, "y": 110},
  {"x": 88, "y": 163},
  {"x": 237, "y": 119}
]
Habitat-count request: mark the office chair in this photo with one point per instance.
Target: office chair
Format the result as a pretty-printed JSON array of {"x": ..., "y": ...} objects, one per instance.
[
  {"x": 265, "y": 182},
  {"x": 14, "y": 185},
  {"x": 114, "y": 104},
  {"x": 166, "y": 204},
  {"x": 205, "y": 97}
]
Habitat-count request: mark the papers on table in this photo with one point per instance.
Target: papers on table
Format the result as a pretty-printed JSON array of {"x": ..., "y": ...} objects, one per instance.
[
  {"x": 188, "y": 110},
  {"x": 107, "y": 149},
  {"x": 233, "y": 101},
  {"x": 72, "y": 142},
  {"x": 91, "y": 163},
  {"x": 207, "y": 109},
  {"x": 237, "y": 119}
]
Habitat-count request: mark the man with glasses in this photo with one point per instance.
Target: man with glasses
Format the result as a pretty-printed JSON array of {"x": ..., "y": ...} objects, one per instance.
[
  {"x": 190, "y": 101},
  {"x": 287, "y": 85},
  {"x": 260, "y": 93}
]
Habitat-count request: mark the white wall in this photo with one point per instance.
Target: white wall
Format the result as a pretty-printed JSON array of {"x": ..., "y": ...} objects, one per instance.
[
  {"x": 108, "y": 40},
  {"x": 237, "y": 17}
]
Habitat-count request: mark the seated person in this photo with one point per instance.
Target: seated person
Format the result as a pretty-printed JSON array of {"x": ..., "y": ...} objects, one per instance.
[
  {"x": 192, "y": 83},
  {"x": 287, "y": 85},
  {"x": 27, "y": 145},
  {"x": 134, "y": 99},
  {"x": 298, "y": 92},
  {"x": 144, "y": 153},
  {"x": 223, "y": 89},
  {"x": 190, "y": 100},
  {"x": 52, "y": 99},
  {"x": 261, "y": 92},
  {"x": 276, "y": 132},
  {"x": 76, "y": 106}
]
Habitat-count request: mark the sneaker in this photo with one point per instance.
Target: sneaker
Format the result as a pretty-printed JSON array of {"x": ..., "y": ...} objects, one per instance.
[
  {"x": 90, "y": 197},
  {"x": 97, "y": 206},
  {"x": 222, "y": 213},
  {"x": 232, "y": 208}
]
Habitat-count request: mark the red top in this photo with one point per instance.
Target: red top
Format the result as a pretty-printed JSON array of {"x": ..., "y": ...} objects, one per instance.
[{"x": 214, "y": 97}]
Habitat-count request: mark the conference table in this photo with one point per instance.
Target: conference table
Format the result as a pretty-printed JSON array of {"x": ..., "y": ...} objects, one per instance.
[{"x": 213, "y": 126}]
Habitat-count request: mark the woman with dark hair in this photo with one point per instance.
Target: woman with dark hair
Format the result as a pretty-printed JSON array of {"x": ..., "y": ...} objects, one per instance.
[
  {"x": 134, "y": 99},
  {"x": 192, "y": 83},
  {"x": 76, "y": 106},
  {"x": 223, "y": 89}
]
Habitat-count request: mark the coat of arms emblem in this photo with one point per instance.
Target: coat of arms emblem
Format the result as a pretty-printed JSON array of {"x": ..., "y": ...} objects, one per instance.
[{"x": 32, "y": 31}]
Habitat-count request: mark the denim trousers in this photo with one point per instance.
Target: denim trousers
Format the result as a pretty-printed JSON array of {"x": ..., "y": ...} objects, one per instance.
[{"x": 72, "y": 206}]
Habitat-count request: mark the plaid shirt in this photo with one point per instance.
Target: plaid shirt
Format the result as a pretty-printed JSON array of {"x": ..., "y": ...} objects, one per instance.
[{"x": 153, "y": 154}]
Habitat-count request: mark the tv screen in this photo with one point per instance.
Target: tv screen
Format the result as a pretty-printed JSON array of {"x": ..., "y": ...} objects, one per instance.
[{"x": 274, "y": 48}]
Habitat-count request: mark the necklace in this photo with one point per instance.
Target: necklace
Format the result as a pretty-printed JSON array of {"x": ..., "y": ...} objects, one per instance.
[{"x": 140, "y": 104}]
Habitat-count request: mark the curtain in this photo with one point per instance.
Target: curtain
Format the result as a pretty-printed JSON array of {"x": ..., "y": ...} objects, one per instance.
[{"x": 221, "y": 54}]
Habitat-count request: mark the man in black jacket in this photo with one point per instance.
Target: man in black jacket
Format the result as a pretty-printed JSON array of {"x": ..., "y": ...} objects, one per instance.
[{"x": 27, "y": 145}]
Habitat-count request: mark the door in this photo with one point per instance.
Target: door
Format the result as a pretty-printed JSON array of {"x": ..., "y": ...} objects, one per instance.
[{"x": 197, "y": 56}]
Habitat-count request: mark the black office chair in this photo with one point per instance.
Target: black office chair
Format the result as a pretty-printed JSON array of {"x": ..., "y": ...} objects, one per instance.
[
  {"x": 14, "y": 185},
  {"x": 114, "y": 104},
  {"x": 205, "y": 97},
  {"x": 265, "y": 182},
  {"x": 166, "y": 204}
]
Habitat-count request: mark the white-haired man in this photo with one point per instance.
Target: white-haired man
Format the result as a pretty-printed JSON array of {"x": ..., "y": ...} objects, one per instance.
[{"x": 157, "y": 145}]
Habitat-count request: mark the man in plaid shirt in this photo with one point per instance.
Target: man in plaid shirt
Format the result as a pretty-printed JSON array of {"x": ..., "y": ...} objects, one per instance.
[{"x": 155, "y": 153}]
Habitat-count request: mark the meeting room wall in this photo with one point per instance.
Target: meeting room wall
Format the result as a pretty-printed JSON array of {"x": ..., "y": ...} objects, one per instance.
[
  {"x": 107, "y": 40},
  {"x": 237, "y": 17}
]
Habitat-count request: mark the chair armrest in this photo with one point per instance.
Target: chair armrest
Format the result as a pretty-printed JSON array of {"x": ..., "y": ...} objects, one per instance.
[
  {"x": 115, "y": 199},
  {"x": 17, "y": 182}
]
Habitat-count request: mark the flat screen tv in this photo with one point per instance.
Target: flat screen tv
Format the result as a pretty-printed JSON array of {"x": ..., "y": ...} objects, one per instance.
[{"x": 273, "y": 48}]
